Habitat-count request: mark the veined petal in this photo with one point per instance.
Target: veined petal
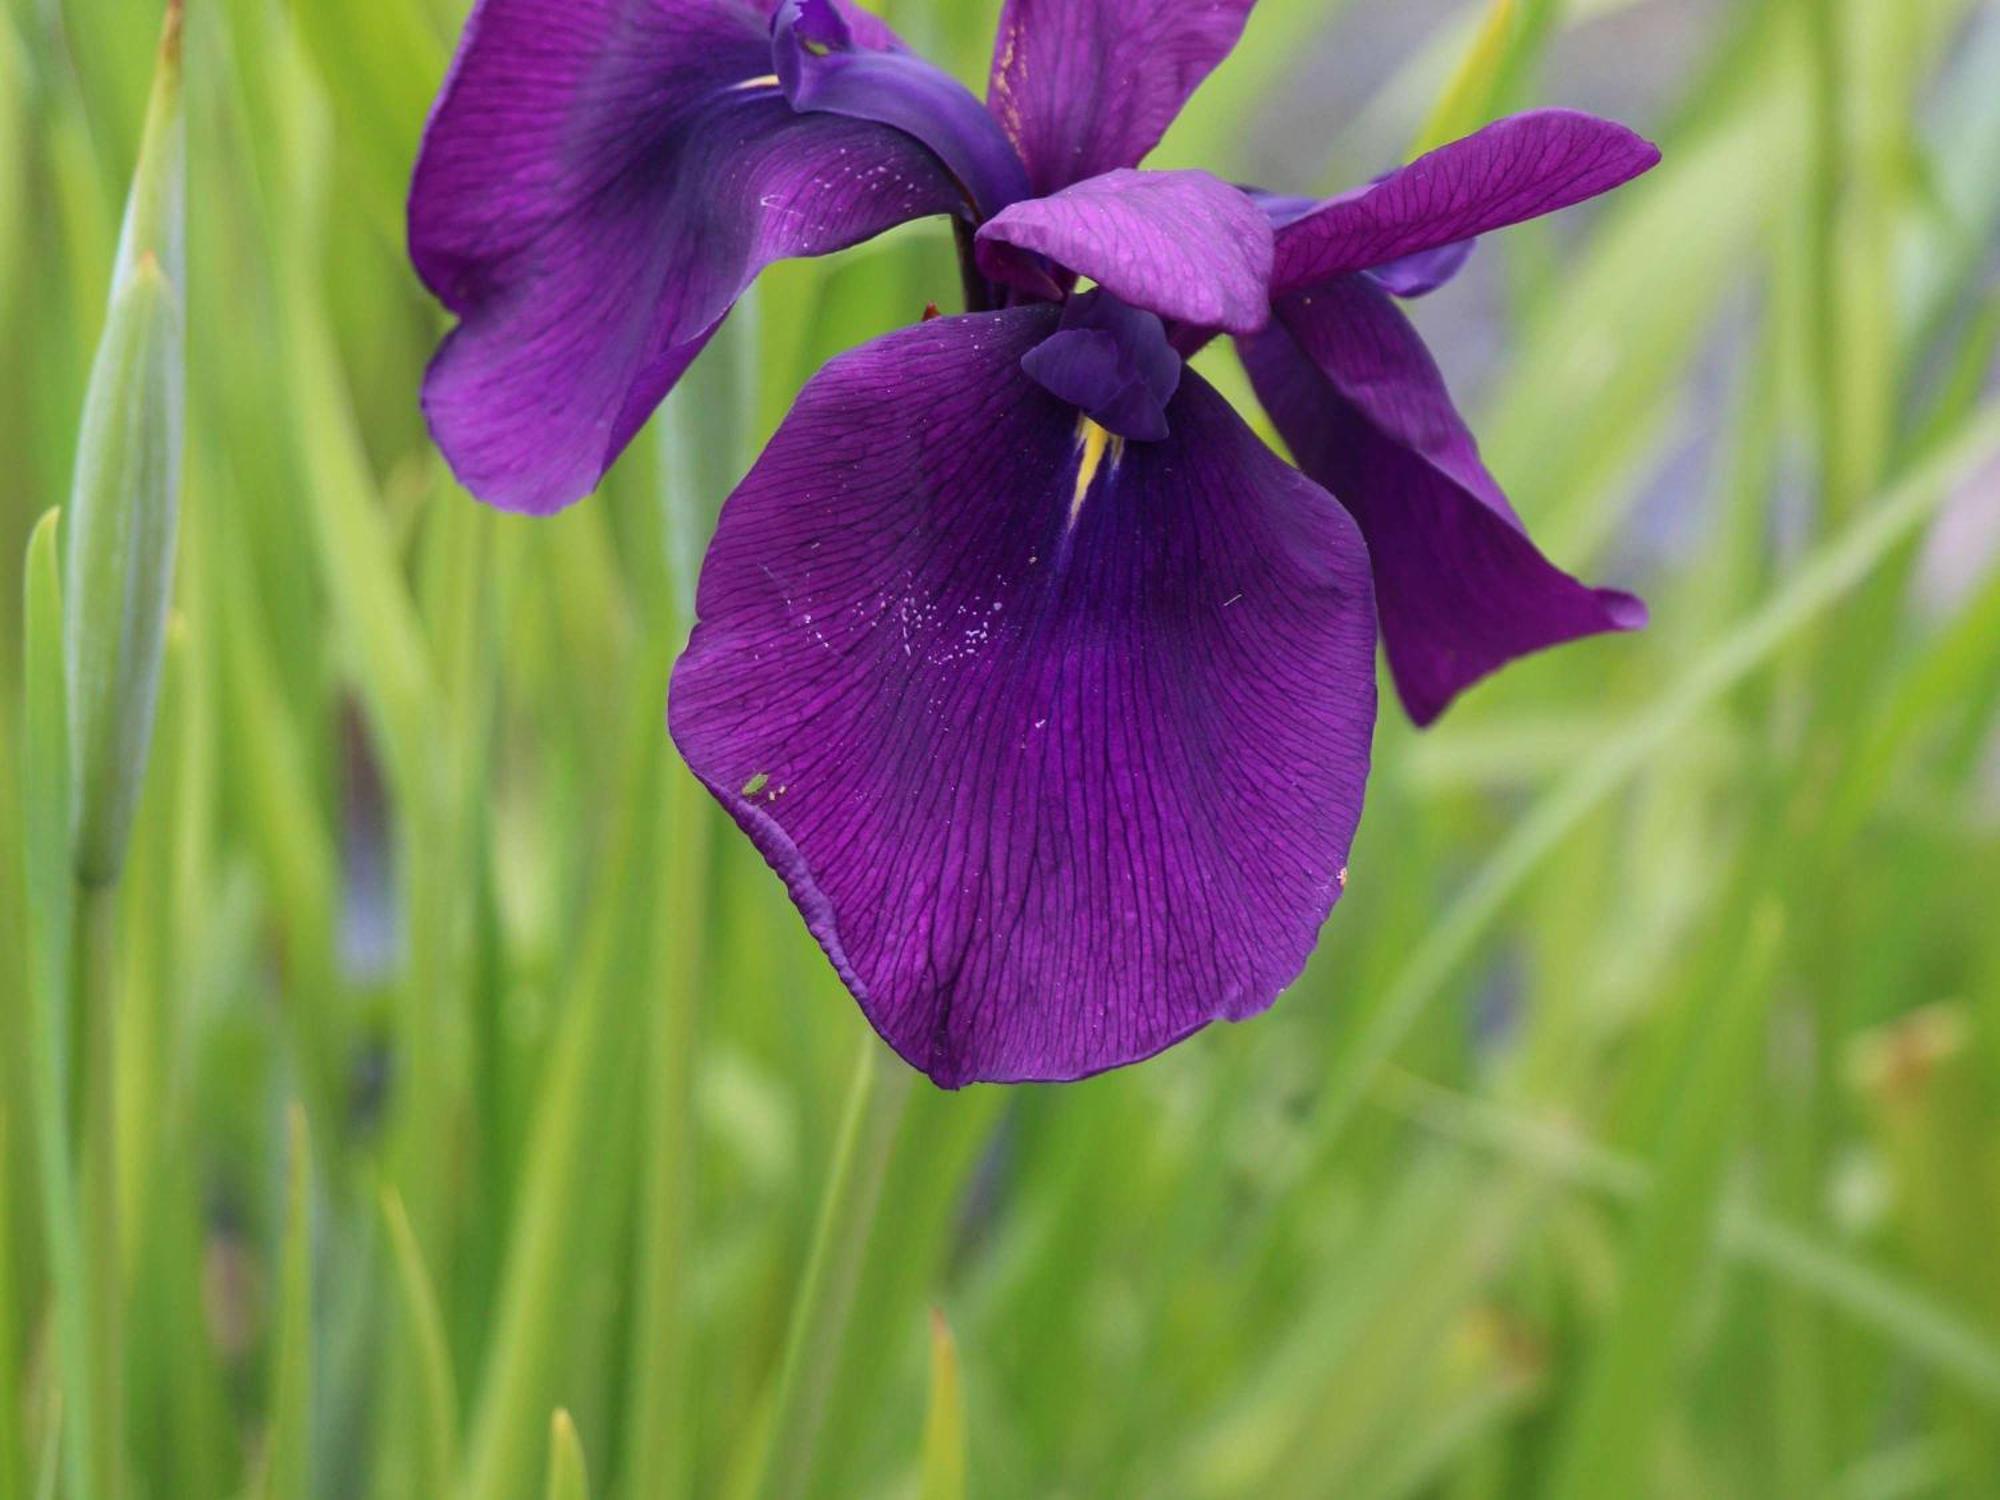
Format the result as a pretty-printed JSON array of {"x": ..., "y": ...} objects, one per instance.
[
  {"x": 1514, "y": 169},
  {"x": 1112, "y": 362},
  {"x": 598, "y": 183},
  {"x": 825, "y": 64},
  {"x": 1184, "y": 245},
  {"x": 1059, "y": 743},
  {"x": 1417, "y": 274},
  {"x": 1460, "y": 588},
  {"x": 1086, "y": 86},
  {"x": 865, "y": 27}
]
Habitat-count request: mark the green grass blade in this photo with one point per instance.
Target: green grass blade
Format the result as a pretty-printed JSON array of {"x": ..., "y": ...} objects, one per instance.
[
  {"x": 288, "y": 1464},
  {"x": 569, "y": 1479},
  {"x": 943, "y": 1473},
  {"x": 874, "y": 1110},
  {"x": 1503, "y": 48},
  {"x": 534, "y": 1303},
  {"x": 1613, "y": 1422},
  {"x": 48, "y": 1473},
  {"x": 424, "y": 1328},
  {"x": 1939, "y": 1338},
  {"x": 51, "y": 918},
  {"x": 1743, "y": 649},
  {"x": 13, "y": 1449}
]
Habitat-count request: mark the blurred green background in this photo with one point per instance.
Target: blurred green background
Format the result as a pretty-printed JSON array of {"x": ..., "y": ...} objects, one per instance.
[{"x": 1636, "y": 1131}]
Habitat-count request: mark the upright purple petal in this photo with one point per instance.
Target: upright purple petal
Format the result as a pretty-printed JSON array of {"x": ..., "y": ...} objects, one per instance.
[
  {"x": 1185, "y": 245},
  {"x": 865, "y": 27},
  {"x": 1112, "y": 362},
  {"x": 1460, "y": 588},
  {"x": 1086, "y": 86},
  {"x": 1518, "y": 168},
  {"x": 824, "y": 65},
  {"x": 598, "y": 183},
  {"x": 1058, "y": 743}
]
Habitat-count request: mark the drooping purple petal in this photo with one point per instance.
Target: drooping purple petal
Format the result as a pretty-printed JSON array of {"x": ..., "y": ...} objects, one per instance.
[
  {"x": 1417, "y": 274},
  {"x": 1185, "y": 245},
  {"x": 1086, "y": 86},
  {"x": 1514, "y": 169},
  {"x": 598, "y": 183},
  {"x": 1460, "y": 588},
  {"x": 1422, "y": 272},
  {"x": 823, "y": 65},
  {"x": 1058, "y": 743},
  {"x": 1111, "y": 361}
]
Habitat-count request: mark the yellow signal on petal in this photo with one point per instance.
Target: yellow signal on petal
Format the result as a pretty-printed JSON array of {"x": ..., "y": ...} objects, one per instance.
[{"x": 1092, "y": 442}]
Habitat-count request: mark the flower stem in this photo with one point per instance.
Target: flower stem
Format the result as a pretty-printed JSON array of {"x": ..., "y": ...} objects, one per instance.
[
  {"x": 978, "y": 293},
  {"x": 875, "y": 1103},
  {"x": 96, "y": 1004}
]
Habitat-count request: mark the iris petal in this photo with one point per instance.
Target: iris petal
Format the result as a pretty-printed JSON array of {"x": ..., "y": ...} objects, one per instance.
[
  {"x": 815, "y": 51},
  {"x": 598, "y": 183},
  {"x": 1460, "y": 588},
  {"x": 1086, "y": 86},
  {"x": 1514, "y": 169},
  {"x": 1112, "y": 361},
  {"x": 1059, "y": 746},
  {"x": 1423, "y": 271},
  {"x": 1185, "y": 245}
]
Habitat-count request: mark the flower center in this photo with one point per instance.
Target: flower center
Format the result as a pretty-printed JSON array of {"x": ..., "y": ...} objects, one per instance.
[
  {"x": 1111, "y": 361},
  {"x": 1092, "y": 443}
]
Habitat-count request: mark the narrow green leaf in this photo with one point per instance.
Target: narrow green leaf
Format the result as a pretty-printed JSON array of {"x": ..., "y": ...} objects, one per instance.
[
  {"x": 13, "y": 1453},
  {"x": 1330, "y": 1388},
  {"x": 1938, "y": 1337},
  {"x": 1614, "y": 1418},
  {"x": 1941, "y": 1337},
  {"x": 1615, "y": 332},
  {"x": 533, "y": 1304},
  {"x": 569, "y": 1479},
  {"x": 660, "y": 1419},
  {"x": 424, "y": 1323},
  {"x": 874, "y": 1110},
  {"x": 944, "y": 1419},
  {"x": 96, "y": 1001},
  {"x": 51, "y": 921},
  {"x": 1942, "y": 676},
  {"x": 125, "y": 502},
  {"x": 1509, "y": 36},
  {"x": 48, "y": 1475},
  {"x": 1822, "y": 581},
  {"x": 289, "y": 1460}
]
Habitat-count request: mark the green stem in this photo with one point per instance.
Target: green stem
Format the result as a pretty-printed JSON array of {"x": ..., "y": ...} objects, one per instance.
[
  {"x": 875, "y": 1104},
  {"x": 96, "y": 1005},
  {"x": 660, "y": 1434}
]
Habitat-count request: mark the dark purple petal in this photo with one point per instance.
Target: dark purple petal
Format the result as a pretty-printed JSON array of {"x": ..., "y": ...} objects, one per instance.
[
  {"x": 1460, "y": 588},
  {"x": 823, "y": 66},
  {"x": 1423, "y": 272},
  {"x": 1417, "y": 274},
  {"x": 1112, "y": 361},
  {"x": 598, "y": 183},
  {"x": 1514, "y": 169},
  {"x": 1057, "y": 773},
  {"x": 1185, "y": 245},
  {"x": 864, "y": 27},
  {"x": 1085, "y": 86}
]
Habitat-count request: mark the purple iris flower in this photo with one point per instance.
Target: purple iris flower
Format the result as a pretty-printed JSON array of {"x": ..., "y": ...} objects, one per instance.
[{"x": 1046, "y": 686}]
